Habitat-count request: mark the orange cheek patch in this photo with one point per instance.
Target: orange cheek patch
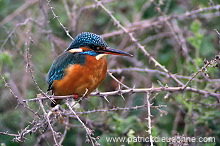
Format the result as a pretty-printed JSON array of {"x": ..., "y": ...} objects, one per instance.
[{"x": 86, "y": 49}]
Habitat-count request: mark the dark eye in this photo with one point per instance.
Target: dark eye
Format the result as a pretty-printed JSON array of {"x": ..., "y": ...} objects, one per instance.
[
  {"x": 92, "y": 47},
  {"x": 100, "y": 48}
]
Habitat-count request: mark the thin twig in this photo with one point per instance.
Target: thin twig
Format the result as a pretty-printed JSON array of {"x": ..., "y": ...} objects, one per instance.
[
  {"x": 18, "y": 11},
  {"x": 56, "y": 17},
  {"x": 153, "y": 71},
  {"x": 46, "y": 115},
  {"x": 195, "y": 74},
  {"x": 149, "y": 118},
  {"x": 88, "y": 131},
  {"x": 18, "y": 25},
  {"x": 117, "y": 80},
  {"x": 154, "y": 22}
]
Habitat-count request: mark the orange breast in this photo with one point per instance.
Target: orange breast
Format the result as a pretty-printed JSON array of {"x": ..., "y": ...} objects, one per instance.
[{"x": 81, "y": 79}]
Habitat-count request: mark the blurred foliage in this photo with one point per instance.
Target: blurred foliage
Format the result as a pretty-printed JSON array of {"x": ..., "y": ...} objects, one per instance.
[{"x": 185, "y": 114}]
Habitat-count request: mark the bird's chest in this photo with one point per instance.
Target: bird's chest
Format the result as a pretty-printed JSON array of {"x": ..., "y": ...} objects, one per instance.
[
  {"x": 94, "y": 70},
  {"x": 81, "y": 79}
]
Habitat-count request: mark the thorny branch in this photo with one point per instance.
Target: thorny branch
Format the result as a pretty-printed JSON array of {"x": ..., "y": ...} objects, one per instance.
[
  {"x": 56, "y": 17},
  {"x": 149, "y": 118},
  {"x": 46, "y": 115},
  {"x": 141, "y": 90},
  {"x": 89, "y": 132}
]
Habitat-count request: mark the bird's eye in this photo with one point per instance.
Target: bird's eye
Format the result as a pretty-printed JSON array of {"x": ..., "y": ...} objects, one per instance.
[
  {"x": 100, "y": 48},
  {"x": 92, "y": 47}
]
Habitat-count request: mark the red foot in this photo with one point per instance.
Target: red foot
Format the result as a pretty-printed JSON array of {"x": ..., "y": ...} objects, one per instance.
[{"x": 75, "y": 96}]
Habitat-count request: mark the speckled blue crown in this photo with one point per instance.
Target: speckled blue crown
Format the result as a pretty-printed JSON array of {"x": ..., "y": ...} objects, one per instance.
[{"x": 87, "y": 39}]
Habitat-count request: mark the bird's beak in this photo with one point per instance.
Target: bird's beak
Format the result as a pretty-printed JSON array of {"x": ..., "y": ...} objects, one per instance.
[{"x": 112, "y": 51}]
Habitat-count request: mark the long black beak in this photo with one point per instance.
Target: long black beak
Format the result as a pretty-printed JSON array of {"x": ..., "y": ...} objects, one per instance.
[{"x": 112, "y": 51}]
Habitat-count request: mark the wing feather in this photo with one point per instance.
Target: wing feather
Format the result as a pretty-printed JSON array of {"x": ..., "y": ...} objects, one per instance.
[{"x": 57, "y": 70}]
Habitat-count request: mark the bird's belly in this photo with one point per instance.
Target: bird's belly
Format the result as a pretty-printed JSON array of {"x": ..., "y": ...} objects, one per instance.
[{"x": 82, "y": 79}]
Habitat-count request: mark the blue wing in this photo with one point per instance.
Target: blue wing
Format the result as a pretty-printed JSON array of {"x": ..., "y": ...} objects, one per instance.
[{"x": 57, "y": 70}]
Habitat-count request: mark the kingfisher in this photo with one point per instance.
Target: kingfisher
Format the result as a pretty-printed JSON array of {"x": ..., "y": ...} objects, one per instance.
[{"x": 81, "y": 68}]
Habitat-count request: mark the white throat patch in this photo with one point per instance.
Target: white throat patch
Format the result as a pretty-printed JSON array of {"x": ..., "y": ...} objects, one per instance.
[{"x": 100, "y": 56}]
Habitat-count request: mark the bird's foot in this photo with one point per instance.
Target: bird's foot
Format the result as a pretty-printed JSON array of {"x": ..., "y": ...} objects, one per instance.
[{"x": 76, "y": 96}]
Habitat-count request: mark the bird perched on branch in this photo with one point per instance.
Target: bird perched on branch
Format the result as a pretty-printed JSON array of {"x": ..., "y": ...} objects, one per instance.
[{"x": 81, "y": 67}]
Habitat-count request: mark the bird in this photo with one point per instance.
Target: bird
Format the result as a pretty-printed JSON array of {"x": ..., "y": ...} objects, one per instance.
[{"x": 81, "y": 68}]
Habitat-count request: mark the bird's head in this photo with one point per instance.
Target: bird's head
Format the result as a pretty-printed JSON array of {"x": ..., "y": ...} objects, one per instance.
[{"x": 93, "y": 44}]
